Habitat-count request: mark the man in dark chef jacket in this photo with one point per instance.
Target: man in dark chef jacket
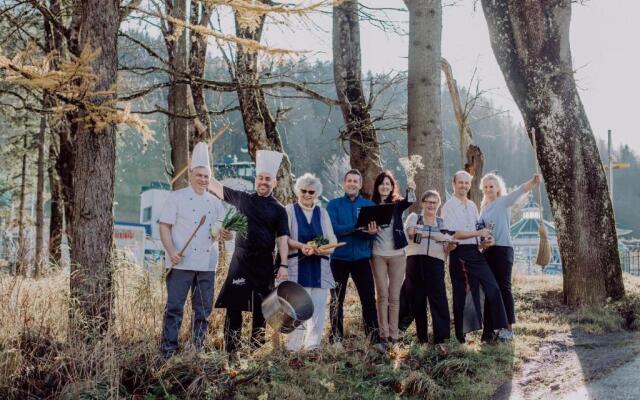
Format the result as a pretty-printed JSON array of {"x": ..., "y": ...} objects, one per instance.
[{"x": 250, "y": 276}]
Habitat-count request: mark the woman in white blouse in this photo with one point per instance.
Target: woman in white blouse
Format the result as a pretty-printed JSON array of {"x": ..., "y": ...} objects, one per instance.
[
  {"x": 309, "y": 266},
  {"x": 424, "y": 279}
]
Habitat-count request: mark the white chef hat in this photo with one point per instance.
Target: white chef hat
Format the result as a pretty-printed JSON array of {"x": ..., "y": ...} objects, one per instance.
[
  {"x": 200, "y": 157},
  {"x": 268, "y": 161}
]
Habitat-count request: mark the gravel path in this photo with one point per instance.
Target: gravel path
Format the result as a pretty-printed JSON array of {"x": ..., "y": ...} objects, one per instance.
[{"x": 578, "y": 366}]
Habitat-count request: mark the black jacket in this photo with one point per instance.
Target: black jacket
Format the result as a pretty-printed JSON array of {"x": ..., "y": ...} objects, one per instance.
[{"x": 399, "y": 237}]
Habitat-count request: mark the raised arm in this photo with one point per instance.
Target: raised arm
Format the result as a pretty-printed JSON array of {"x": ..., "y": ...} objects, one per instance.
[
  {"x": 511, "y": 198},
  {"x": 216, "y": 188},
  {"x": 535, "y": 180},
  {"x": 409, "y": 198}
]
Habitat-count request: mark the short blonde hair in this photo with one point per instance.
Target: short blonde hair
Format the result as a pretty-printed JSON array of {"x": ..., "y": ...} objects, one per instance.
[
  {"x": 502, "y": 188},
  {"x": 308, "y": 180}
]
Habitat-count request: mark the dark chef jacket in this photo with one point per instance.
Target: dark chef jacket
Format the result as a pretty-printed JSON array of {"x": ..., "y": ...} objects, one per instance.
[{"x": 251, "y": 269}]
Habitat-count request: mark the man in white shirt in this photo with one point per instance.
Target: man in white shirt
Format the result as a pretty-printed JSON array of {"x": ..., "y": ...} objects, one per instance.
[
  {"x": 469, "y": 272},
  {"x": 191, "y": 268}
]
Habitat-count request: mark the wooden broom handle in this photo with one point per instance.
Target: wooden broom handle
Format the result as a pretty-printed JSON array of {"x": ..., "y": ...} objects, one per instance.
[
  {"x": 537, "y": 167},
  {"x": 209, "y": 144}
]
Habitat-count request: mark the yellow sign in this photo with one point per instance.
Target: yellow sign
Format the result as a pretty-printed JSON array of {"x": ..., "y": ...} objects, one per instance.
[{"x": 619, "y": 165}]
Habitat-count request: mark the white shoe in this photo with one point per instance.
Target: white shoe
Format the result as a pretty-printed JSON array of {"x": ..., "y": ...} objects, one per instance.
[{"x": 505, "y": 335}]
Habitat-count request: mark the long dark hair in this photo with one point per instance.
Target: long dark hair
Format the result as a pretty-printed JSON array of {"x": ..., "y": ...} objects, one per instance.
[{"x": 393, "y": 196}]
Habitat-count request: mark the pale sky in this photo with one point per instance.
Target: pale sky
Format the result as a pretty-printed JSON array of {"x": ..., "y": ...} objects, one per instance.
[{"x": 604, "y": 44}]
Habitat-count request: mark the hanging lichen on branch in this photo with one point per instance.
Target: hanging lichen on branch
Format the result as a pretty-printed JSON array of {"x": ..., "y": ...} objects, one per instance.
[
  {"x": 249, "y": 15},
  {"x": 72, "y": 87}
]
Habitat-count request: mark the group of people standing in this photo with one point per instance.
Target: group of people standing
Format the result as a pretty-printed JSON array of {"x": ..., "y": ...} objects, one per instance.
[{"x": 397, "y": 269}]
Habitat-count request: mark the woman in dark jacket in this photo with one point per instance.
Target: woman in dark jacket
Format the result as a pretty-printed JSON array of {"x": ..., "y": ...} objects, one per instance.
[{"x": 389, "y": 260}]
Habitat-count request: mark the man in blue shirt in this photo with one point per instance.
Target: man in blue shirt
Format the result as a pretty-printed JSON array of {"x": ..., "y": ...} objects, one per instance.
[{"x": 352, "y": 259}]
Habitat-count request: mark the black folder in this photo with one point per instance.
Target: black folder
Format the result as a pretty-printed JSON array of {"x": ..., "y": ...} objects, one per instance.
[{"x": 381, "y": 214}]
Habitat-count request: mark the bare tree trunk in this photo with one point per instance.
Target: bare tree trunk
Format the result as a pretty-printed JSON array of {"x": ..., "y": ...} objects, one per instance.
[
  {"x": 260, "y": 126},
  {"x": 423, "y": 89},
  {"x": 471, "y": 158},
  {"x": 94, "y": 179},
  {"x": 39, "y": 260},
  {"x": 200, "y": 15},
  {"x": 21, "y": 265},
  {"x": 530, "y": 40},
  {"x": 65, "y": 165},
  {"x": 62, "y": 130},
  {"x": 474, "y": 166},
  {"x": 54, "y": 43},
  {"x": 56, "y": 222},
  {"x": 179, "y": 96},
  {"x": 364, "y": 148}
]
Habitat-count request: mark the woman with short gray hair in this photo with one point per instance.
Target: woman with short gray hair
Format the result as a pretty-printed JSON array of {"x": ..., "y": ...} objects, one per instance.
[
  {"x": 308, "y": 265},
  {"x": 308, "y": 181}
]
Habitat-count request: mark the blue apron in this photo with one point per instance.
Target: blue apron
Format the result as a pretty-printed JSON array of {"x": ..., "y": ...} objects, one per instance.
[{"x": 309, "y": 271}]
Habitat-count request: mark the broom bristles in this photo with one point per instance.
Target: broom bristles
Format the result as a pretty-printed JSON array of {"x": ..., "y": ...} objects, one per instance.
[{"x": 544, "y": 247}]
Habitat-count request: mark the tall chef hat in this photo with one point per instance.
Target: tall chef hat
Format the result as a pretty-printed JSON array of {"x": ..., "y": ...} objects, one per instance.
[
  {"x": 268, "y": 161},
  {"x": 200, "y": 157}
]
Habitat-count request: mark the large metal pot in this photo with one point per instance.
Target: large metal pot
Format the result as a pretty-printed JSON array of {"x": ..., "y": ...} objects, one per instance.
[{"x": 288, "y": 306}]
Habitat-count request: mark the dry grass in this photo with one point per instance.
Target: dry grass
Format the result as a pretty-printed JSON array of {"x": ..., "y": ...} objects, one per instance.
[{"x": 38, "y": 359}]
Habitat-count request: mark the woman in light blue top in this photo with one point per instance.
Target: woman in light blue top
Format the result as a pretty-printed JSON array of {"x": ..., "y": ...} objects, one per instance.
[{"x": 495, "y": 214}]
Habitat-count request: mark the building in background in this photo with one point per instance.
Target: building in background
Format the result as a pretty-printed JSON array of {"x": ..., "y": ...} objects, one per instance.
[{"x": 526, "y": 238}]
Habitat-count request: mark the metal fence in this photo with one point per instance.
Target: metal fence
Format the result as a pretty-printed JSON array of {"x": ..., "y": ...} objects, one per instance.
[{"x": 631, "y": 262}]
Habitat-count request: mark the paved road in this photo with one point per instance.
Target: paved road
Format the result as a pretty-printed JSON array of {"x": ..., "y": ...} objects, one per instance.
[{"x": 622, "y": 384}]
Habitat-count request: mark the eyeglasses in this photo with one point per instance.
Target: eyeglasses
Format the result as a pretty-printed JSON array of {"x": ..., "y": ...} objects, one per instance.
[
  {"x": 429, "y": 201},
  {"x": 305, "y": 191}
]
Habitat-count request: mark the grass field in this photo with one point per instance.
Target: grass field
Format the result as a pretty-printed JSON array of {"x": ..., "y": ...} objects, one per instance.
[{"x": 38, "y": 359}]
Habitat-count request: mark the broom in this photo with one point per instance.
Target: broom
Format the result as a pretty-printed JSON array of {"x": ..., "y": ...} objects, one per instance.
[{"x": 544, "y": 247}]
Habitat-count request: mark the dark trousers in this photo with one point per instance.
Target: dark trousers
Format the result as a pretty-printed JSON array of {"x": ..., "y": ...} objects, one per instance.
[
  {"x": 424, "y": 281},
  {"x": 467, "y": 267},
  {"x": 362, "y": 276},
  {"x": 179, "y": 282},
  {"x": 233, "y": 326},
  {"x": 500, "y": 260}
]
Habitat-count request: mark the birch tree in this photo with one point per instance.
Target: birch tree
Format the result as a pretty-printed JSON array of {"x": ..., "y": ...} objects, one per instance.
[{"x": 530, "y": 40}]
